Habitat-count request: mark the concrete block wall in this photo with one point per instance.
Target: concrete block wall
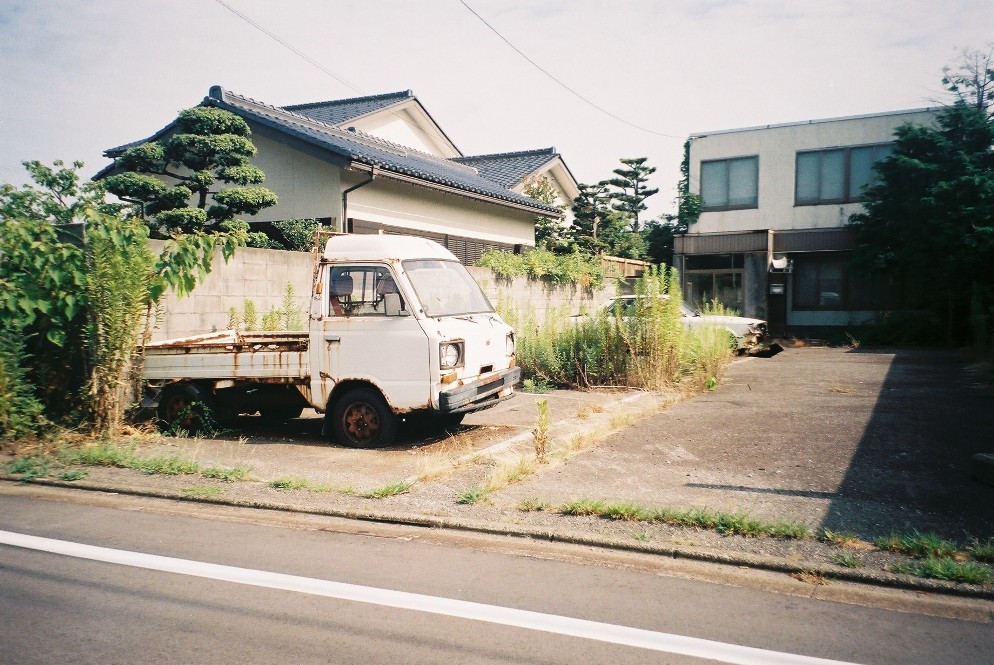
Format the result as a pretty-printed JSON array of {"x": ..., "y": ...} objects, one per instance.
[{"x": 261, "y": 275}]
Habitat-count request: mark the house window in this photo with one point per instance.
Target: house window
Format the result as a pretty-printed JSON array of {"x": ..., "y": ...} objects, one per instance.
[
  {"x": 838, "y": 175},
  {"x": 729, "y": 184}
]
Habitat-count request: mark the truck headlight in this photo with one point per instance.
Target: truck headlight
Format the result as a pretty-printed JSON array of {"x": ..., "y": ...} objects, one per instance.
[
  {"x": 450, "y": 354},
  {"x": 510, "y": 344}
]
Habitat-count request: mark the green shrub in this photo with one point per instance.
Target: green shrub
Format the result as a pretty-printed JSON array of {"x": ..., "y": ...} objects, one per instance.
[
  {"x": 576, "y": 268},
  {"x": 20, "y": 411}
]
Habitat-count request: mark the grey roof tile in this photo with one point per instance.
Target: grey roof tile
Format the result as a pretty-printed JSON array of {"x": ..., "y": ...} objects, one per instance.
[
  {"x": 340, "y": 111},
  {"x": 508, "y": 169}
]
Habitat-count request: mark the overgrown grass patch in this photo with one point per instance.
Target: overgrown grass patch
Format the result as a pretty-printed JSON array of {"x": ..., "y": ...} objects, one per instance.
[
  {"x": 202, "y": 491},
  {"x": 297, "y": 483},
  {"x": 969, "y": 572},
  {"x": 582, "y": 508},
  {"x": 392, "y": 489},
  {"x": 34, "y": 466},
  {"x": 104, "y": 454},
  {"x": 740, "y": 524},
  {"x": 982, "y": 551},
  {"x": 533, "y": 505},
  {"x": 472, "y": 496},
  {"x": 166, "y": 465},
  {"x": 847, "y": 560},
  {"x": 70, "y": 476},
  {"x": 228, "y": 474},
  {"x": 918, "y": 545}
]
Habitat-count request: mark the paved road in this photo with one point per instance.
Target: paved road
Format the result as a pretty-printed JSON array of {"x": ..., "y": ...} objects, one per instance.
[{"x": 58, "y": 608}]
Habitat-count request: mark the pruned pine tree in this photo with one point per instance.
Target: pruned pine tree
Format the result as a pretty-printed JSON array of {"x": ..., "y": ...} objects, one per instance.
[
  {"x": 632, "y": 181},
  {"x": 198, "y": 178}
]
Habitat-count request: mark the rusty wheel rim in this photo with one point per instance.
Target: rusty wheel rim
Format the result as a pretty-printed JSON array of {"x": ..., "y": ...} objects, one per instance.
[{"x": 361, "y": 422}]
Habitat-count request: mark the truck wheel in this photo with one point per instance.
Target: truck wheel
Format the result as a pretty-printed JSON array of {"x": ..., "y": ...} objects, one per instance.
[
  {"x": 278, "y": 414},
  {"x": 361, "y": 418},
  {"x": 176, "y": 406}
]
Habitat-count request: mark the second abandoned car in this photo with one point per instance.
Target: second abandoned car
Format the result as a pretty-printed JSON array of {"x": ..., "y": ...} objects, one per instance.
[
  {"x": 397, "y": 326},
  {"x": 750, "y": 335}
]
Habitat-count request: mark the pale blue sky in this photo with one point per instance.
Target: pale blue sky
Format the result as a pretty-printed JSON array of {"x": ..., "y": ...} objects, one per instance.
[{"x": 79, "y": 77}]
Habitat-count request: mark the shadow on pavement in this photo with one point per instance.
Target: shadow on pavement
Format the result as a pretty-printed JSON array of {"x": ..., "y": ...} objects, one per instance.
[{"x": 913, "y": 459}]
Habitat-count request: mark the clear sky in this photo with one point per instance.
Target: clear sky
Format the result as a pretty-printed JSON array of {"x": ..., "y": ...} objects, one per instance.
[{"x": 78, "y": 77}]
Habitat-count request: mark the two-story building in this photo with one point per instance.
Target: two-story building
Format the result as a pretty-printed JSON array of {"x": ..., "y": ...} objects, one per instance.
[{"x": 772, "y": 240}]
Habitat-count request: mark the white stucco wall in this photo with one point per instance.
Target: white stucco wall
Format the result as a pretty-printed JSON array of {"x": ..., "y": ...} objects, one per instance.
[
  {"x": 401, "y": 204},
  {"x": 307, "y": 187},
  {"x": 777, "y": 147},
  {"x": 400, "y": 126}
]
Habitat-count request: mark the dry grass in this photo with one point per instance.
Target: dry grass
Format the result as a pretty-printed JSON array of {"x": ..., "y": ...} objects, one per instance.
[{"x": 434, "y": 465}]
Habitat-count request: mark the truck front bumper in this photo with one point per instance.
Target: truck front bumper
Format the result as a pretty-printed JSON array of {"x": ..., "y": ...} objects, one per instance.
[{"x": 480, "y": 394}]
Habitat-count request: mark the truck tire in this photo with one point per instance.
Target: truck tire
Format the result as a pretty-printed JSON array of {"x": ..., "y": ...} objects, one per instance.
[
  {"x": 176, "y": 406},
  {"x": 361, "y": 418}
]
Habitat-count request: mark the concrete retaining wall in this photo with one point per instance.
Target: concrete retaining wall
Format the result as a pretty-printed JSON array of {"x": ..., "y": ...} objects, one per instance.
[{"x": 262, "y": 275}]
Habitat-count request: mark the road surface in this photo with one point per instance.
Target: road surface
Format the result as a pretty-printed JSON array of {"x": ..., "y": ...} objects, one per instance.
[{"x": 191, "y": 586}]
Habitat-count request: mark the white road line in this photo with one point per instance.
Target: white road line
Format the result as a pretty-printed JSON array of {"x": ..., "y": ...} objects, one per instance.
[{"x": 591, "y": 630}]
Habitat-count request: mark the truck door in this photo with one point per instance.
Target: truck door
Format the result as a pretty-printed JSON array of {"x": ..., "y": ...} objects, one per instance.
[{"x": 366, "y": 332}]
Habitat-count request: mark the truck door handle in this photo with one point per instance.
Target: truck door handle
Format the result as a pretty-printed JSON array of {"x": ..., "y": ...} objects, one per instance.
[{"x": 332, "y": 338}]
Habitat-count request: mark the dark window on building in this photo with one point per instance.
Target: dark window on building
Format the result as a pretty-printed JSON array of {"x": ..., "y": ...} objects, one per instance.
[
  {"x": 838, "y": 175},
  {"x": 729, "y": 184},
  {"x": 825, "y": 281}
]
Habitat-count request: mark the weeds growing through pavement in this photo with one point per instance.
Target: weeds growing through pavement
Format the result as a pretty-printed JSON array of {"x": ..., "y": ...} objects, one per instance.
[
  {"x": 847, "y": 560},
  {"x": 388, "y": 490},
  {"x": 297, "y": 483},
  {"x": 532, "y": 505},
  {"x": 472, "y": 496},
  {"x": 918, "y": 545},
  {"x": 540, "y": 435},
  {"x": 725, "y": 523},
  {"x": 969, "y": 572},
  {"x": 982, "y": 551},
  {"x": 202, "y": 491},
  {"x": 228, "y": 474}
]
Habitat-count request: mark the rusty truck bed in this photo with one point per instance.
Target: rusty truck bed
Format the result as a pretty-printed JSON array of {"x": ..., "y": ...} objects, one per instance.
[{"x": 229, "y": 355}]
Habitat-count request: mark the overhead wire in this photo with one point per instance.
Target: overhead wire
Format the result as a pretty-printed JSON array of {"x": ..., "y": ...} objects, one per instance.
[
  {"x": 560, "y": 83},
  {"x": 281, "y": 42}
]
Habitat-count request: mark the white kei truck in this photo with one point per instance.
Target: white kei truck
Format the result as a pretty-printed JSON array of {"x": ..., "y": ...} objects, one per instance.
[{"x": 398, "y": 328}]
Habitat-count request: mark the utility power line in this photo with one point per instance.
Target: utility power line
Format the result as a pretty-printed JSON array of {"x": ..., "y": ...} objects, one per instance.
[
  {"x": 563, "y": 85},
  {"x": 288, "y": 46}
]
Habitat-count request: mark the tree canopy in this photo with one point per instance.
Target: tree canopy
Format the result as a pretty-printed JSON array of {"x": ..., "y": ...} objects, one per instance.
[
  {"x": 633, "y": 183},
  {"x": 209, "y": 149},
  {"x": 929, "y": 219}
]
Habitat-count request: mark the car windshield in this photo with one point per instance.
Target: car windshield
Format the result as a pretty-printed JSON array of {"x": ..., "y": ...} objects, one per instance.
[{"x": 445, "y": 288}]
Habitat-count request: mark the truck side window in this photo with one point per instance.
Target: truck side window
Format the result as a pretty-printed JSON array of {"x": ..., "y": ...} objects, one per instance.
[{"x": 362, "y": 291}]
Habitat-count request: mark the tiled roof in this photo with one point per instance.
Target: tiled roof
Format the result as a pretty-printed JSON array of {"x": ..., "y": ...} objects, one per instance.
[
  {"x": 359, "y": 148},
  {"x": 508, "y": 169},
  {"x": 340, "y": 111}
]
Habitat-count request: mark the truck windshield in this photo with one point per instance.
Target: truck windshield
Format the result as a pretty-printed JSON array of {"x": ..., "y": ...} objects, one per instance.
[{"x": 445, "y": 288}]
